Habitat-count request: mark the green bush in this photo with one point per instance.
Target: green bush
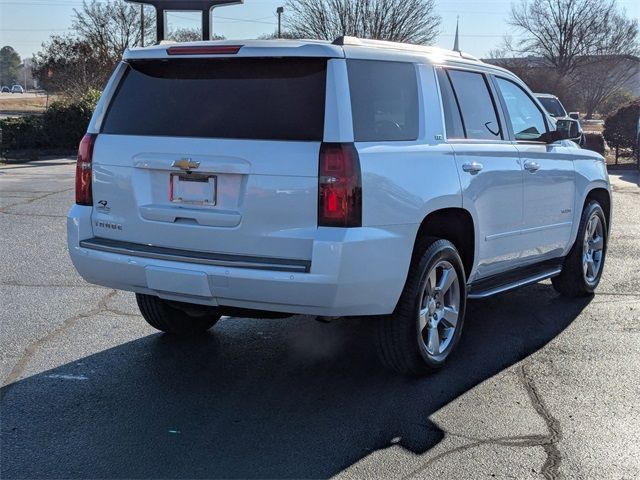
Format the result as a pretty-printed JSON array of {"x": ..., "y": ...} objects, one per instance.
[
  {"x": 594, "y": 141},
  {"x": 23, "y": 133},
  {"x": 620, "y": 128},
  {"x": 61, "y": 127}
]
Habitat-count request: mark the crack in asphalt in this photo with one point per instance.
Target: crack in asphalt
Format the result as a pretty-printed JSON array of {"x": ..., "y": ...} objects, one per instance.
[
  {"x": 551, "y": 466},
  {"x": 28, "y": 214},
  {"x": 525, "y": 441},
  {"x": 33, "y": 347},
  {"x": 619, "y": 294},
  {"x": 34, "y": 199},
  {"x": 53, "y": 285}
]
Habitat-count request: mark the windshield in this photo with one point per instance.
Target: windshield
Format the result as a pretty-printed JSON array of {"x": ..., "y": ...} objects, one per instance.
[{"x": 553, "y": 106}]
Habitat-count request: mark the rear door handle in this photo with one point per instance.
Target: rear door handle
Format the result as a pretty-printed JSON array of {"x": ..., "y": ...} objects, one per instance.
[
  {"x": 532, "y": 166},
  {"x": 472, "y": 168}
]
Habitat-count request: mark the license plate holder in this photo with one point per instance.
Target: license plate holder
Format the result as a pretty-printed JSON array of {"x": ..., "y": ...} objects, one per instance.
[{"x": 193, "y": 188}]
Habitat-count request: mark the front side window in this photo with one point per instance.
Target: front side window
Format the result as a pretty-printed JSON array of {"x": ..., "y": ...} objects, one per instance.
[
  {"x": 526, "y": 119},
  {"x": 384, "y": 100},
  {"x": 476, "y": 104}
]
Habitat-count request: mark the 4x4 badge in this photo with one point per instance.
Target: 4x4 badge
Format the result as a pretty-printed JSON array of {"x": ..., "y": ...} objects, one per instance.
[
  {"x": 103, "y": 206},
  {"x": 186, "y": 164}
]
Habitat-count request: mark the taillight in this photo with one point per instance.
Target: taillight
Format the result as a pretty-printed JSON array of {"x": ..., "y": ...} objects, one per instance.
[
  {"x": 339, "y": 186},
  {"x": 84, "y": 195}
]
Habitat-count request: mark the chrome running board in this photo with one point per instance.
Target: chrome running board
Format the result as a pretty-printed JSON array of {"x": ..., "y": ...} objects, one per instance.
[
  {"x": 511, "y": 286},
  {"x": 502, "y": 282}
]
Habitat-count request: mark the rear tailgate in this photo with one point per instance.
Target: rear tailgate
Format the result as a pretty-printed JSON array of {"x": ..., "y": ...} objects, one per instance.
[{"x": 213, "y": 155}]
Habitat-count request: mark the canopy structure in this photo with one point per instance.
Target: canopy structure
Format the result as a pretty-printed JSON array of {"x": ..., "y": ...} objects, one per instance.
[{"x": 204, "y": 6}]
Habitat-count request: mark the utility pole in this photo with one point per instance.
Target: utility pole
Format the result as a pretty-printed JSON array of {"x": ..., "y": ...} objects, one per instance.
[
  {"x": 142, "y": 25},
  {"x": 280, "y": 11}
]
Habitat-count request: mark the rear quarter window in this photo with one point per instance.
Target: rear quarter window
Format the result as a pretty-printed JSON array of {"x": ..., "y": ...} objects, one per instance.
[
  {"x": 243, "y": 98},
  {"x": 384, "y": 100}
]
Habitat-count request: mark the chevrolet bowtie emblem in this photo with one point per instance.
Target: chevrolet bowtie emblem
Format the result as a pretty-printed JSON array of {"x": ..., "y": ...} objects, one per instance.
[{"x": 185, "y": 164}]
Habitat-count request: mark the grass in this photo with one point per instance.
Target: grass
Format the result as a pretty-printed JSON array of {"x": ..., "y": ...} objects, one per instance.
[
  {"x": 626, "y": 158},
  {"x": 19, "y": 103}
]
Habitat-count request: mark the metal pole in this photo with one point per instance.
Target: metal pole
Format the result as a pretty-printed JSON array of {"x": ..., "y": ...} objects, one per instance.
[
  {"x": 141, "y": 25},
  {"x": 279, "y": 11},
  {"x": 160, "y": 24},
  {"x": 206, "y": 24}
]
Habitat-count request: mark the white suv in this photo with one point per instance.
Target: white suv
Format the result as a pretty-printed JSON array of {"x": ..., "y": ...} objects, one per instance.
[{"x": 353, "y": 178}]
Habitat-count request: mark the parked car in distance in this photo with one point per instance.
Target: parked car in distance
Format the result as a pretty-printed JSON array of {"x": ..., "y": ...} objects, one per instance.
[
  {"x": 17, "y": 89},
  {"x": 352, "y": 178},
  {"x": 5, "y": 89},
  {"x": 554, "y": 107}
]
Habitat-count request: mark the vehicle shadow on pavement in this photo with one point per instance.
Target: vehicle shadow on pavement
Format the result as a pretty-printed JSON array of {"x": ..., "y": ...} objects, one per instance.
[
  {"x": 630, "y": 175},
  {"x": 255, "y": 398}
]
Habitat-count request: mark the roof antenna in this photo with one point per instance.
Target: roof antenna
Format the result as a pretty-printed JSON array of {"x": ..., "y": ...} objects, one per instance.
[{"x": 456, "y": 43}]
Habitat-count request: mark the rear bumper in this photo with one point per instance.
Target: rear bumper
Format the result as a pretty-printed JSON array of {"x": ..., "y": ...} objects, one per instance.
[{"x": 356, "y": 271}]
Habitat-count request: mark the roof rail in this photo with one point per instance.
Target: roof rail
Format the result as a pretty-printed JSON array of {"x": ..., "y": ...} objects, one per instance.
[{"x": 407, "y": 47}]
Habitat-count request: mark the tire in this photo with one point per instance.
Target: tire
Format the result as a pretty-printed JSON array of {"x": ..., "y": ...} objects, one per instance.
[
  {"x": 582, "y": 268},
  {"x": 176, "y": 318},
  {"x": 406, "y": 339}
]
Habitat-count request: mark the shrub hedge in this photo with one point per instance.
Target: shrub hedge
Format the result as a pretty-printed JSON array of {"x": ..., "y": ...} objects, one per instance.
[
  {"x": 620, "y": 129},
  {"x": 595, "y": 141},
  {"x": 60, "y": 127}
]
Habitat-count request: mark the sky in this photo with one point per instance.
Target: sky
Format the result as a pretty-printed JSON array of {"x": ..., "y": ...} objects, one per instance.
[{"x": 25, "y": 24}]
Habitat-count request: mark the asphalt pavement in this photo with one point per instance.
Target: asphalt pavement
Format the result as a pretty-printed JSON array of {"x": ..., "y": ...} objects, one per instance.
[{"x": 540, "y": 386}]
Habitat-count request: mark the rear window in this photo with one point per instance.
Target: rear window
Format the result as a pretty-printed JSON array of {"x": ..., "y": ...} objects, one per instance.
[
  {"x": 384, "y": 100},
  {"x": 553, "y": 106},
  {"x": 265, "y": 99}
]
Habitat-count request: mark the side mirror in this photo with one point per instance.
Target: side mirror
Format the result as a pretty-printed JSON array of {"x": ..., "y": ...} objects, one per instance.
[
  {"x": 574, "y": 115},
  {"x": 566, "y": 129}
]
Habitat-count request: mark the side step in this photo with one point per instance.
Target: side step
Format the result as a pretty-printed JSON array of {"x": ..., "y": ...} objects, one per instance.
[{"x": 502, "y": 282}]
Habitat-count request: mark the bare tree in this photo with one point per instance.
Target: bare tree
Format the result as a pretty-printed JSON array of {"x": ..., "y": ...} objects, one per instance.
[
  {"x": 112, "y": 26},
  {"x": 598, "y": 81},
  {"x": 569, "y": 33},
  {"x": 70, "y": 65},
  {"x": 411, "y": 21},
  {"x": 73, "y": 64},
  {"x": 184, "y": 34},
  {"x": 286, "y": 34}
]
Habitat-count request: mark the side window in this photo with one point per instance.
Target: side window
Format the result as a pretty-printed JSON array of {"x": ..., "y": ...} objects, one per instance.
[
  {"x": 526, "y": 118},
  {"x": 384, "y": 100},
  {"x": 452, "y": 119},
  {"x": 478, "y": 111}
]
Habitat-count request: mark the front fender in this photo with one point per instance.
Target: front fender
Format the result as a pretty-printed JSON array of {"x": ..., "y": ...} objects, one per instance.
[{"x": 590, "y": 174}]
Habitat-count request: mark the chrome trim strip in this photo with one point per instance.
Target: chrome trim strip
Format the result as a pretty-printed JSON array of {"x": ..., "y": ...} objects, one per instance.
[
  {"x": 495, "y": 236},
  {"x": 203, "y": 258},
  {"x": 520, "y": 283}
]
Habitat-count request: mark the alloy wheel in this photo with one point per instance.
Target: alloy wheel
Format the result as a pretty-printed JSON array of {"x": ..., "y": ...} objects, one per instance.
[
  {"x": 592, "y": 249},
  {"x": 439, "y": 310}
]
